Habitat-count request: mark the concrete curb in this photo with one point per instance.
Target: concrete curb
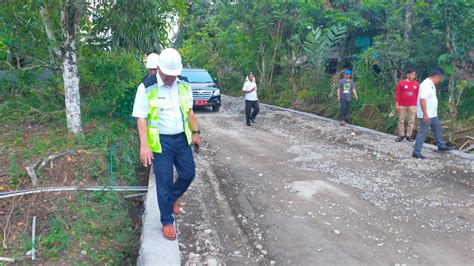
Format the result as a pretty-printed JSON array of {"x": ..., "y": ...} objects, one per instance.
[
  {"x": 463, "y": 155},
  {"x": 154, "y": 248}
]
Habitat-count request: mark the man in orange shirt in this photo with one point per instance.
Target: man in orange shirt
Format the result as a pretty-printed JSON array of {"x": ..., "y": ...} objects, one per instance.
[{"x": 406, "y": 96}]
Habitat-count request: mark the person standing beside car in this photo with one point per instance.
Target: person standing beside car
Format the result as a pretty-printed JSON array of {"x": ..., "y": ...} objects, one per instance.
[
  {"x": 406, "y": 96},
  {"x": 251, "y": 99}
]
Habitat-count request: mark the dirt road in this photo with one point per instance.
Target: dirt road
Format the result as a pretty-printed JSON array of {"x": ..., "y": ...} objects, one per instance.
[{"x": 294, "y": 190}]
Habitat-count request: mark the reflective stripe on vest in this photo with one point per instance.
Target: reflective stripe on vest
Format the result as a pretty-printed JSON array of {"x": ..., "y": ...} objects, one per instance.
[
  {"x": 184, "y": 93},
  {"x": 153, "y": 123}
]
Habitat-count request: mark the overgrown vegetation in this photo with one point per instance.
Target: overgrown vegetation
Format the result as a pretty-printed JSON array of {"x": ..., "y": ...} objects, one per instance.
[
  {"x": 297, "y": 50},
  {"x": 91, "y": 228},
  {"x": 73, "y": 228},
  {"x": 33, "y": 127}
]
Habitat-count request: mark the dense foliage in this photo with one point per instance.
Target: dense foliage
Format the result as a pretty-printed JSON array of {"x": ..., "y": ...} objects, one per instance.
[
  {"x": 112, "y": 39},
  {"x": 295, "y": 48},
  {"x": 283, "y": 42}
]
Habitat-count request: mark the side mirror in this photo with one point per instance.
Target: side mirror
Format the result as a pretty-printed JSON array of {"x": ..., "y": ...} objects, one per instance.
[
  {"x": 183, "y": 78},
  {"x": 216, "y": 82}
]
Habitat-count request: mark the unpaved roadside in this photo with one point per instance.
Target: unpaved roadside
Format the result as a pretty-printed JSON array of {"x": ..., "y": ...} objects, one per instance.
[{"x": 301, "y": 191}]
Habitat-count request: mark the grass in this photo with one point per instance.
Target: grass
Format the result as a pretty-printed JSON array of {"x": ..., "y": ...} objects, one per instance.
[
  {"x": 91, "y": 228},
  {"x": 97, "y": 224},
  {"x": 14, "y": 171},
  {"x": 72, "y": 228},
  {"x": 101, "y": 228},
  {"x": 57, "y": 238},
  {"x": 27, "y": 147}
]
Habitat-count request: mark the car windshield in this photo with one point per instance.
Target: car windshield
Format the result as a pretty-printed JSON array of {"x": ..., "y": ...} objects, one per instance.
[{"x": 197, "y": 76}]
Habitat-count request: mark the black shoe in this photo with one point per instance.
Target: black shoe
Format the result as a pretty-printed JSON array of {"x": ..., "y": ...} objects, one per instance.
[
  {"x": 248, "y": 123},
  {"x": 253, "y": 120},
  {"x": 418, "y": 156},
  {"x": 446, "y": 148},
  {"x": 409, "y": 139},
  {"x": 399, "y": 139}
]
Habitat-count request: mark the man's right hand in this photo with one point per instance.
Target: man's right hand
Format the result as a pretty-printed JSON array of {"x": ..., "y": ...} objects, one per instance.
[
  {"x": 426, "y": 119},
  {"x": 397, "y": 108},
  {"x": 146, "y": 155}
]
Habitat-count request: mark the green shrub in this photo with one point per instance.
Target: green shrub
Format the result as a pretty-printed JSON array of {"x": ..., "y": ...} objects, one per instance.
[
  {"x": 108, "y": 82},
  {"x": 57, "y": 239},
  {"x": 32, "y": 98}
]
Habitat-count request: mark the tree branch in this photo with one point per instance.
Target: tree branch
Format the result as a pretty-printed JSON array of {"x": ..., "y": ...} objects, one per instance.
[
  {"x": 50, "y": 31},
  {"x": 30, "y": 169}
]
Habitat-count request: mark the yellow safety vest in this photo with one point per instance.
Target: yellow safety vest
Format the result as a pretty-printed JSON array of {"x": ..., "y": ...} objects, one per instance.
[{"x": 153, "y": 132}]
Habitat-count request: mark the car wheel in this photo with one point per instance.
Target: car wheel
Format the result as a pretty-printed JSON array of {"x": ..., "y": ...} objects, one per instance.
[{"x": 216, "y": 108}]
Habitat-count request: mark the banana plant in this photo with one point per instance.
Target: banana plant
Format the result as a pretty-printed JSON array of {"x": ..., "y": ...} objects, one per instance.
[{"x": 320, "y": 42}]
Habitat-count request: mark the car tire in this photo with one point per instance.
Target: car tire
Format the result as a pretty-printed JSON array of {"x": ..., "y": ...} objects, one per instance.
[{"x": 216, "y": 108}]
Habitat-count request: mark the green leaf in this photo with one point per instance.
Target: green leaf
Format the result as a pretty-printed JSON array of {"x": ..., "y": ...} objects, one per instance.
[
  {"x": 442, "y": 59},
  {"x": 448, "y": 69}
]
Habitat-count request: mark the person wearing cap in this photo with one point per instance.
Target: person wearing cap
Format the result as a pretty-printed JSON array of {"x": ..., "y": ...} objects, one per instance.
[
  {"x": 167, "y": 127},
  {"x": 427, "y": 113},
  {"x": 345, "y": 90},
  {"x": 151, "y": 63},
  {"x": 406, "y": 96},
  {"x": 251, "y": 99}
]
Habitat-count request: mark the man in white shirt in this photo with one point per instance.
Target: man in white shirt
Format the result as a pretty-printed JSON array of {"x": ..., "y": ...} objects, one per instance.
[
  {"x": 251, "y": 99},
  {"x": 167, "y": 127},
  {"x": 427, "y": 113}
]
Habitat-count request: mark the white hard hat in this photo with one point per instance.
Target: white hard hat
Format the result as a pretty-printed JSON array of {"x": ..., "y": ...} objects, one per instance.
[
  {"x": 152, "y": 61},
  {"x": 169, "y": 62}
]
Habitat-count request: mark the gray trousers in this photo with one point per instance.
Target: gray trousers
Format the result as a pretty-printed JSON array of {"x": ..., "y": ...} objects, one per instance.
[
  {"x": 437, "y": 129},
  {"x": 345, "y": 109}
]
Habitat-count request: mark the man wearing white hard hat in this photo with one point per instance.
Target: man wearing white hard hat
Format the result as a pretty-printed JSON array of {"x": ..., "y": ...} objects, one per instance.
[
  {"x": 167, "y": 127},
  {"x": 152, "y": 63}
]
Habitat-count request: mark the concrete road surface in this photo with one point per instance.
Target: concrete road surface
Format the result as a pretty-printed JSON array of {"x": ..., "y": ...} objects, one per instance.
[{"x": 295, "y": 190}]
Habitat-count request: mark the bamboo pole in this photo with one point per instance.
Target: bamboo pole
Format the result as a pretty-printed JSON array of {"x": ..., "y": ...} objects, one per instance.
[{"x": 33, "y": 238}]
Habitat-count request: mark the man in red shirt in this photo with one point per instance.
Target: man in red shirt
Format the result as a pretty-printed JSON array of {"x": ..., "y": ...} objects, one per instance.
[{"x": 406, "y": 97}]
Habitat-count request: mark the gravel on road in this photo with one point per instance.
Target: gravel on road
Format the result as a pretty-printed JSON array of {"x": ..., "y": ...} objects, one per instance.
[{"x": 294, "y": 189}]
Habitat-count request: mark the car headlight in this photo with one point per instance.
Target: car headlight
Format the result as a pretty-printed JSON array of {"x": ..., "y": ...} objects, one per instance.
[{"x": 216, "y": 92}]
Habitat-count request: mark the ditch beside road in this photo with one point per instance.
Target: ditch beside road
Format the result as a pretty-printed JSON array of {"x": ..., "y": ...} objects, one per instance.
[{"x": 297, "y": 190}]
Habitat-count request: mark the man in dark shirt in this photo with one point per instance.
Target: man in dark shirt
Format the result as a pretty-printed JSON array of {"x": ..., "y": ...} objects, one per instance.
[{"x": 345, "y": 90}]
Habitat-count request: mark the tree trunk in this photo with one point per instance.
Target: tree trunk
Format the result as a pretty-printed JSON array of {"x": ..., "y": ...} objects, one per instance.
[
  {"x": 292, "y": 75},
  {"x": 261, "y": 68},
  {"x": 452, "y": 105},
  {"x": 407, "y": 25},
  {"x": 341, "y": 53},
  {"x": 70, "y": 16},
  {"x": 71, "y": 86},
  {"x": 266, "y": 68},
  {"x": 276, "y": 47},
  {"x": 54, "y": 51}
]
